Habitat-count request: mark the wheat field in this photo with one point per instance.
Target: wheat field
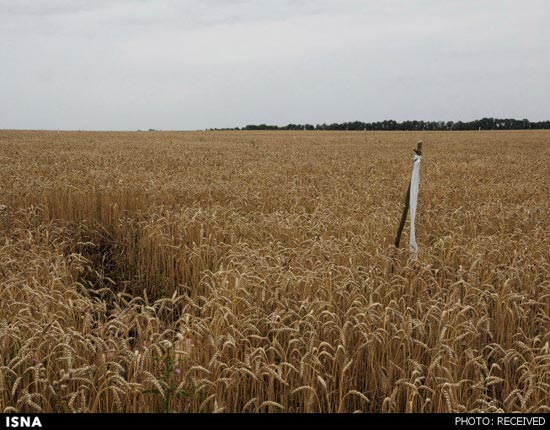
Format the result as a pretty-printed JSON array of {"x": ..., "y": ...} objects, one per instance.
[{"x": 255, "y": 272}]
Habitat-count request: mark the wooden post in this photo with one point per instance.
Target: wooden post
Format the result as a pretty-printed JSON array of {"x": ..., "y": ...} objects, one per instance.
[{"x": 418, "y": 151}]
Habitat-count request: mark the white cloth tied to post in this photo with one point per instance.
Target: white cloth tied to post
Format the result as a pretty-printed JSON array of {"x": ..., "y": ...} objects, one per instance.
[{"x": 415, "y": 185}]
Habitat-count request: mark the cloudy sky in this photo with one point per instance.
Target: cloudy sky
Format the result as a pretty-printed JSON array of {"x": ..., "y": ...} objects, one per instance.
[{"x": 194, "y": 64}]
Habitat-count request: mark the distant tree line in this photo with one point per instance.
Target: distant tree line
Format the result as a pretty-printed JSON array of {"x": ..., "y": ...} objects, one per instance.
[{"x": 388, "y": 125}]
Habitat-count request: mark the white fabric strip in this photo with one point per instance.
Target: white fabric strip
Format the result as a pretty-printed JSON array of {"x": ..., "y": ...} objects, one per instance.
[{"x": 415, "y": 185}]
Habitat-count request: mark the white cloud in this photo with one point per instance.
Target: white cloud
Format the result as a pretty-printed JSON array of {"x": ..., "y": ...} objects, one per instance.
[
  {"x": 51, "y": 7},
  {"x": 272, "y": 41}
]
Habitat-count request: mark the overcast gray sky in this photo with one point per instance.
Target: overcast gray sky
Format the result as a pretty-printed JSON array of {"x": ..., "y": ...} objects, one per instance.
[{"x": 193, "y": 64}]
